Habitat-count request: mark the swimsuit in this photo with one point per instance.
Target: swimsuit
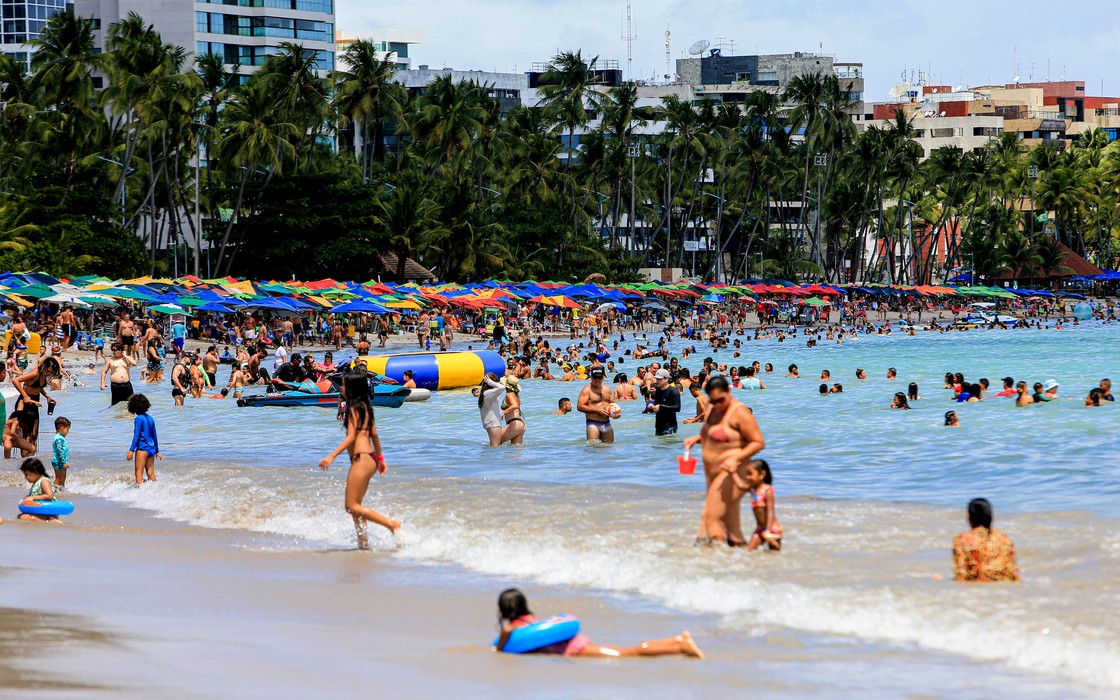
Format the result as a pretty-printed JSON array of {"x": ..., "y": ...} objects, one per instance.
[
  {"x": 758, "y": 500},
  {"x": 120, "y": 391},
  {"x": 600, "y": 425}
]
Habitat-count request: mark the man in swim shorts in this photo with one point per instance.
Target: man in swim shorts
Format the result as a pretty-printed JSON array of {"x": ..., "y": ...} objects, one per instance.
[{"x": 592, "y": 403}]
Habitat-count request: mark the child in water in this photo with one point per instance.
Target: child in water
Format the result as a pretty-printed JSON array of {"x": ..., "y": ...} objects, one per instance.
[
  {"x": 41, "y": 488},
  {"x": 513, "y": 612},
  {"x": 769, "y": 531},
  {"x": 145, "y": 444},
  {"x": 366, "y": 457}
]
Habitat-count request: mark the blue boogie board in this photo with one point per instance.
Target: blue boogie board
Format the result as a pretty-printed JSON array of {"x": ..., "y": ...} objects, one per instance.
[
  {"x": 541, "y": 634},
  {"x": 55, "y": 508}
]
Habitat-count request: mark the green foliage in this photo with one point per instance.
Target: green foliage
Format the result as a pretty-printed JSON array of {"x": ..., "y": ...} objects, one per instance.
[{"x": 472, "y": 193}]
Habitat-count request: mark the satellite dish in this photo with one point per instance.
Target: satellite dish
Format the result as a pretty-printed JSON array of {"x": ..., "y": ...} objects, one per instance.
[
  {"x": 699, "y": 47},
  {"x": 900, "y": 90}
]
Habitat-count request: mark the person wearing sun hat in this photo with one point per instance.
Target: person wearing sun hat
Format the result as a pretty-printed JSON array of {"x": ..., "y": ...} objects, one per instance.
[
  {"x": 1050, "y": 388},
  {"x": 511, "y": 411}
]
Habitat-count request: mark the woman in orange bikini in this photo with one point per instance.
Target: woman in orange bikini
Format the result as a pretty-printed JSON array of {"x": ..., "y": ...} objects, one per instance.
[
  {"x": 730, "y": 437},
  {"x": 366, "y": 457}
]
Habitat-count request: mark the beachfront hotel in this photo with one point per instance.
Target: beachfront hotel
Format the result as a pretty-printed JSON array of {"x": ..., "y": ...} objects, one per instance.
[{"x": 244, "y": 32}]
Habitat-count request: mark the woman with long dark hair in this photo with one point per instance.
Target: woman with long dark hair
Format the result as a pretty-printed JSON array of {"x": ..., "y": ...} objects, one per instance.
[{"x": 366, "y": 458}]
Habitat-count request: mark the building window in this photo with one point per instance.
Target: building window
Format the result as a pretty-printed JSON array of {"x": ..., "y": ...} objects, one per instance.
[
  {"x": 770, "y": 76},
  {"x": 743, "y": 77}
]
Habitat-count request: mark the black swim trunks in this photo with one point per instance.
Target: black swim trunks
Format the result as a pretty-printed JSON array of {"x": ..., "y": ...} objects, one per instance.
[{"x": 120, "y": 391}]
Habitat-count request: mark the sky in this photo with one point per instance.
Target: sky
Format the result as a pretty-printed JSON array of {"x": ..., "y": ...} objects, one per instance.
[{"x": 956, "y": 42}]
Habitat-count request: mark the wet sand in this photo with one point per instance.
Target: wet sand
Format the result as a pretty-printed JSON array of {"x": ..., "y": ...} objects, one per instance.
[{"x": 119, "y": 604}]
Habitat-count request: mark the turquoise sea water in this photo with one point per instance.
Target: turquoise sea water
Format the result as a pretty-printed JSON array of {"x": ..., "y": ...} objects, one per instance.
[{"x": 869, "y": 497}]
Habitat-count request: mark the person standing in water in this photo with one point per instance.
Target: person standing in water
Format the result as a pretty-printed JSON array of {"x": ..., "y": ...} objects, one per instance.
[
  {"x": 145, "y": 443},
  {"x": 117, "y": 370},
  {"x": 592, "y": 403},
  {"x": 32, "y": 388},
  {"x": 363, "y": 445},
  {"x": 730, "y": 438},
  {"x": 514, "y": 432},
  {"x": 666, "y": 404},
  {"x": 488, "y": 393}
]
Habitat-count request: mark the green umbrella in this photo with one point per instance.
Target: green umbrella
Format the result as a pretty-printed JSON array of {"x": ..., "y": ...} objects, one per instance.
[
  {"x": 168, "y": 309},
  {"x": 816, "y": 301},
  {"x": 190, "y": 301},
  {"x": 34, "y": 291}
]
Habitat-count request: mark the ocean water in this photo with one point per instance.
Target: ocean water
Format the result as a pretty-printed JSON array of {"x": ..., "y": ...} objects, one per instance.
[{"x": 869, "y": 498}]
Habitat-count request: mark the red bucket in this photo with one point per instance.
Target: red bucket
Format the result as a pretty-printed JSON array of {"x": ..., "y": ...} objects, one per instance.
[{"x": 686, "y": 465}]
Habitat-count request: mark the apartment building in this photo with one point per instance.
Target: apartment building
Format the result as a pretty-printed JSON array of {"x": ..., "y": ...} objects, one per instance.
[
  {"x": 391, "y": 44},
  {"x": 732, "y": 78},
  {"x": 21, "y": 21},
  {"x": 244, "y": 32}
]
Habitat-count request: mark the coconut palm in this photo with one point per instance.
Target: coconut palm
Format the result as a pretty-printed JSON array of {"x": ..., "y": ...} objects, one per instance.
[{"x": 366, "y": 96}]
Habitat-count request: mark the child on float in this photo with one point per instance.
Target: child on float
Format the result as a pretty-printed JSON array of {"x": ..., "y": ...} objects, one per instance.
[
  {"x": 145, "y": 443},
  {"x": 513, "y": 613},
  {"x": 41, "y": 489}
]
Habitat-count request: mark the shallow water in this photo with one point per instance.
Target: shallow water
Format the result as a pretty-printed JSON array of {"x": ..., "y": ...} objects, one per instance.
[{"x": 869, "y": 498}]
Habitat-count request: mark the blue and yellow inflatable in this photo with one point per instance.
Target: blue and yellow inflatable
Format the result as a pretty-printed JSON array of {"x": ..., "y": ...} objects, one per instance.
[{"x": 439, "y": 370}]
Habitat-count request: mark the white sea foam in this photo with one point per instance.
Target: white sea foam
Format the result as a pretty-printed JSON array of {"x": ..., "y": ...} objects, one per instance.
[{"x": 822, "y": 585}]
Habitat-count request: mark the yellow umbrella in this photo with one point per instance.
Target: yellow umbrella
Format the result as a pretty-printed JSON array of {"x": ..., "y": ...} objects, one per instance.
[{"x": 403, "y": 305}]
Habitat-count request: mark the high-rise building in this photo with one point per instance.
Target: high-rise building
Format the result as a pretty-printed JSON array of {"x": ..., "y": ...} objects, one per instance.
[
  {"x": 243, "y": 32},
  {"x": 21, "y": 21},
  {"x": 391, "y": 44}
]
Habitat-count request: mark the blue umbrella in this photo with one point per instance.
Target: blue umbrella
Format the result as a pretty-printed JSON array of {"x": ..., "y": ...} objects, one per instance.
[
  {"x": 360, "y": 306},
  {"x": 215, "y": 307}
]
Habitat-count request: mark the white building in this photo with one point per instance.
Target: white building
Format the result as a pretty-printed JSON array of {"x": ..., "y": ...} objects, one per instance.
[
  {"x": 244, "y": 33},
  {"x": 391, "y": 44},
  {"x": 21, "y": 22}
]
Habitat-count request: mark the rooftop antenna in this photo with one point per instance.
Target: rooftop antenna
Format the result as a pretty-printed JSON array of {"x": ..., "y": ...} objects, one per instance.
[
  {"x": 668, "y": 44},
  {"x": 629, "y": 38}
]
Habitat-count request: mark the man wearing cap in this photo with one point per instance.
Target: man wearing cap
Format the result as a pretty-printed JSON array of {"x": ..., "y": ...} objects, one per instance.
[
  {"x": 592, "y": 403},
  {"x": 666, "y": 404},
  {"x": 1008, "y": 388}
]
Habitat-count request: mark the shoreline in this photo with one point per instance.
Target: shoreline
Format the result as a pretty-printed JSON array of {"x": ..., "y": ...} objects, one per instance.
[{"x": 125, "y": 604}]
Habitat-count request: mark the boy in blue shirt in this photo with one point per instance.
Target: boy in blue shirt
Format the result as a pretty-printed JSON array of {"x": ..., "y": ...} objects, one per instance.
[{"x": 60, "y": 447}]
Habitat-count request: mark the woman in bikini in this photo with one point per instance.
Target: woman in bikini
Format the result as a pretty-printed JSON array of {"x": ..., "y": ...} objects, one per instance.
[
  {"x": 366, "y": 457},
  {"x": 730, "y": 437},
  {"x": 32, "y": 389},
  {"x": 514, "y": 432}
]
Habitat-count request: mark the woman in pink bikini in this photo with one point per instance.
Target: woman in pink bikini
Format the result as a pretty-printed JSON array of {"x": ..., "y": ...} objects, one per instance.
[{"x": 730, "y": 437}]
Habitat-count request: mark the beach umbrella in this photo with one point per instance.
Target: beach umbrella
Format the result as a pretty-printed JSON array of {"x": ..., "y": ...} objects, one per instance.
[
  {"x": 65, "y": 299},
  {"x": 655, "y": 305},
  {"x": 360, "y": 306},
  {"x": 556, "y": 300},
  {"x": 168, "y": 309},
  {"x": 33, "y": 291},
  {"x": 712, "y": 298},
  {"x": 604, "y": 308},
  {"x": 214, "y": 306}
]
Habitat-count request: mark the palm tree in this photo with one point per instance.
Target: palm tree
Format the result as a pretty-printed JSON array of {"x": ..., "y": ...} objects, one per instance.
[
  {"x": 366, "y": 95},
  {"x": 567, "y": 90},
  {"x": 410, "y": 220},
  {"x": 253, "y": 136}
]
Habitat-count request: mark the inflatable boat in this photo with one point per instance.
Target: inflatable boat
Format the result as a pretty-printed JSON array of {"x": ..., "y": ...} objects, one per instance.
[{"x": 325, "y": 394}]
